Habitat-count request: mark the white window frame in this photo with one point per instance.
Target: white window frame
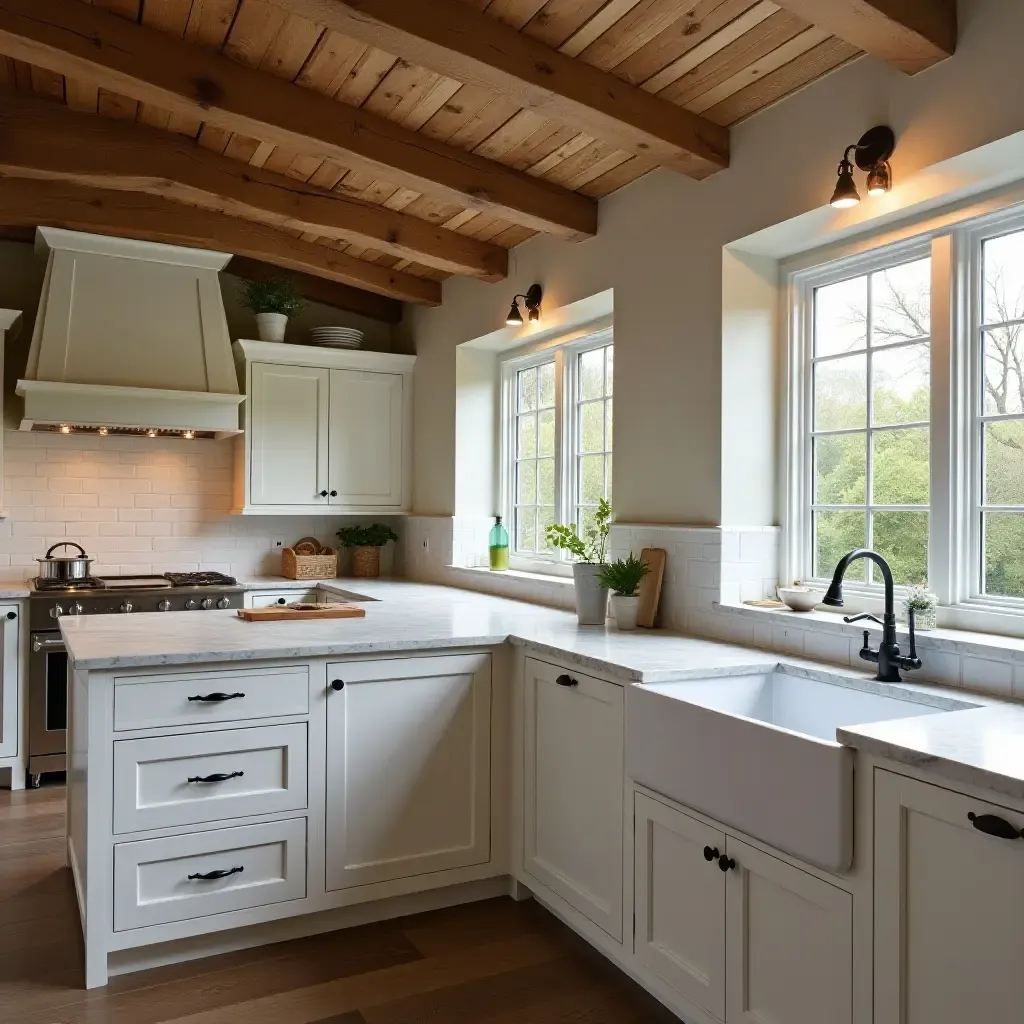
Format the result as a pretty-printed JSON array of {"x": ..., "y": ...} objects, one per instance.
[
  {"x": 954, "y": 241},
  {"x": 565, "y": 353}
]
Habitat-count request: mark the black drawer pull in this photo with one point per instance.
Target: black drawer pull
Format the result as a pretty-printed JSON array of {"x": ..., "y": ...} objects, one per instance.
[
  {"x": 711, "y": 853},
  {"x": 726, "y": 863},
  {"x": 337, "y": 684},
  {"x": 993, "y": 825},
  {"x": 216, "y": 777},
  {"x": 216, "y": 698},
  {"x": 564, "y": 680},
  {"x": 212, "y": 876}
]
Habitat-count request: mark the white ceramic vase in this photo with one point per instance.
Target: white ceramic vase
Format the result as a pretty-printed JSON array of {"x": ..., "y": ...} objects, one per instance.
[
  {"x": 591, "y": 596},
  {"x": 625, "y": 610},
  {"x": 271, "y": 326}
]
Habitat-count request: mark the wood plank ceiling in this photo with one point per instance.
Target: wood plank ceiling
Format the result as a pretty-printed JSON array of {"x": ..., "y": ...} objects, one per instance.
[{"x": 318, "y": 177}]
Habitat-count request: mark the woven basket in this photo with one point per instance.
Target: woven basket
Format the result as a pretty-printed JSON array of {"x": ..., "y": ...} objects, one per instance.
[
  {"x": 366, "y": 562},
  {"x": 309, "y": 567}
]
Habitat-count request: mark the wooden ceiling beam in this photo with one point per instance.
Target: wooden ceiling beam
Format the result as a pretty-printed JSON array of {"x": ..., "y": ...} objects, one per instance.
[
  {"x": 82, "y": 41},
  {"x": 911, "y": 35},
  {"x": 465, "y": 44},
  {"x": 28, "y": 203},
  {"x": 42, "y": 139}
]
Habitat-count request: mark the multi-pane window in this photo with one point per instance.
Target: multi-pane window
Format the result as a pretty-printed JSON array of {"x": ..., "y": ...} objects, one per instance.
[{"x": 557, "y": 440}]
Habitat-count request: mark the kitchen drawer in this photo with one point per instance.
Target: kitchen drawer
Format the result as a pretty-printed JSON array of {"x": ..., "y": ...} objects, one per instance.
[
  {"x": 267, "y": 599},
  {"x": 147, "y": 702},
  {"x": 157, "y": 779},
  {"x": 256, "y": 865}
]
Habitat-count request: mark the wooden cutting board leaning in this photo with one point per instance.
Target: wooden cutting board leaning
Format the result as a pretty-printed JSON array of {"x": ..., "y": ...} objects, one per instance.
[{"x": 295, "y": 612}]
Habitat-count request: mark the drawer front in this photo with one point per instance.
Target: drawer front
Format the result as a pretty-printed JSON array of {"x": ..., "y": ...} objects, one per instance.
[
  {"x": 273, "y": 597},
  {"x": 162, "y": 781},
  {"x": 252, "y": 865},
  {"x": 149, "y": 702}
]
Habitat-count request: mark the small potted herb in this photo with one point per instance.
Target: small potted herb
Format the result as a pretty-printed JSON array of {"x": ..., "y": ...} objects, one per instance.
[
  {"x": 925, "y": 605},
  {"x": 623, "y": 578},
  {"x": 273, "y": 300},
  {"x": 366, "y": 542},
  {"x": 589, "y": 553}
]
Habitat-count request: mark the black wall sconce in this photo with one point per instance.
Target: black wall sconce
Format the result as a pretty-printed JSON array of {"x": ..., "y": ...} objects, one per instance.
[
  {"x": 871, "y": 154},
  {"x": 532, "y": 298}
]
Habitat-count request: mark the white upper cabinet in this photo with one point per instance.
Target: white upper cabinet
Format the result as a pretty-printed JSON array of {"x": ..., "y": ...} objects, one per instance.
[{"x": 326, "y": 430}]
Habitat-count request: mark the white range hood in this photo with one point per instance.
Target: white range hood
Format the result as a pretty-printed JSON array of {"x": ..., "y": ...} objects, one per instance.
[{"x": 130, "y": 337}]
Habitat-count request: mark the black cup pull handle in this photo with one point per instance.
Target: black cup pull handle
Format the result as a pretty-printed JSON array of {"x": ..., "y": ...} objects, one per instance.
[
  {"x": 212, "y": 876},
  {"x": 711, "y": 853},
  {"x": 215, "y": 698},
  {"x": 726, "y": 863},
  {"x": 216, "y": 777},
  {"x": 565, "y": 680},
  {"x": 993, "y": 825}
]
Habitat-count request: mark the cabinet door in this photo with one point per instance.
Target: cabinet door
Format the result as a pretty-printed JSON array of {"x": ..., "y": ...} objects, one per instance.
[
  {"x": 408, "y": 767},
  {"x": 288, "y": 435},
  {"x": 573, "y": 790},
  {"x": 949, "y": 908},
  {"x": 10, "y": 679},
  {"x": 366, "y": 450},
  {"x": 789, "y": 943},
  {"x": 679, "y": 902}
]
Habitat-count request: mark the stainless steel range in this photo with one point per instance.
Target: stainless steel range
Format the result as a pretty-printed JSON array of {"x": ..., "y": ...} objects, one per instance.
[{"x": 106, "y": 595}]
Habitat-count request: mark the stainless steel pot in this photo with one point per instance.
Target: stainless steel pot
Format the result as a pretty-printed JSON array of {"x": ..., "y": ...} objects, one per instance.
[{"x": 65, "y": 568}]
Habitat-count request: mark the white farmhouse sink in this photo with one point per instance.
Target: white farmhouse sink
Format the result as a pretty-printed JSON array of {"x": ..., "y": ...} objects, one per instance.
[{"x": 758, "y": 752}]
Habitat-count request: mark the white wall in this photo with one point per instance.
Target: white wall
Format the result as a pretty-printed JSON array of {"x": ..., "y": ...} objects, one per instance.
[{"x": 660, "y": 248}]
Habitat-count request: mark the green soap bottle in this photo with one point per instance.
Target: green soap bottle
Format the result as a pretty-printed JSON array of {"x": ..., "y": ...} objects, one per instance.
[{"x": 497, "y": 546}]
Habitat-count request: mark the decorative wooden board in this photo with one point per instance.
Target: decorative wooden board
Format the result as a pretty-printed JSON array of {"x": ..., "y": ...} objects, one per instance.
[
  {"x": 285, "y": 613},
  {"x": 650, "y": 588}
]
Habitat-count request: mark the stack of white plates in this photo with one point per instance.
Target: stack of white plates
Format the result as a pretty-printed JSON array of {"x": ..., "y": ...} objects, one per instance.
[{"x": 336, "y": 337}]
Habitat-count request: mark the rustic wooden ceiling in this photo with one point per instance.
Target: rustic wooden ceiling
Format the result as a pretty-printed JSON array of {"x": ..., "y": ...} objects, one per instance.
[{"x": 400, "y": 233}]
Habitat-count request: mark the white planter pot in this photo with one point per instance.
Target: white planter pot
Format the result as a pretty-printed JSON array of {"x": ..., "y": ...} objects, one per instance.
[
  {"x": 591, "y": 597},
  {"x": 271, "y": 326},
  {"x": 625, "y": 609}
]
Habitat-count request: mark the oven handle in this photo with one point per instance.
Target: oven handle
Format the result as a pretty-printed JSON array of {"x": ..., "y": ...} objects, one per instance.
[{"x": 46, "y": 644}]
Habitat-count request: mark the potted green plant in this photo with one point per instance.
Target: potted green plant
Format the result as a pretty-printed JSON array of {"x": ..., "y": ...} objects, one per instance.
[
  {"x": 365, "y": 543},
  {"x": 589, "y": 554},
  {"x": 623, "y": 578},
  {"x": 273, "y": 300},
  {"x": 925, "y": 605}
]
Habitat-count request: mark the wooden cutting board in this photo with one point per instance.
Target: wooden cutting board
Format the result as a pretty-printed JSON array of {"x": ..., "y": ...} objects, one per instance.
[
  {"x": 278, "y": 613},
  {"x": 650, "y": 586}
]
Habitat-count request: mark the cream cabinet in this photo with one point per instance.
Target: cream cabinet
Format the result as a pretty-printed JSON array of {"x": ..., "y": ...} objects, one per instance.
[
  {"x": 10, "y": 689},
  {"x": 573, "y": 790},
  {"x": 325, "y": 430},
  {"x": 408, "y": 767},
  {"x": 949, "y": 906},
  {"x": 745, "y": 935}
]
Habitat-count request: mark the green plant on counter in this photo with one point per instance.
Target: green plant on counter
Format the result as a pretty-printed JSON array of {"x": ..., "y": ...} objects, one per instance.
[
  {"x": 589, "y": 548},
  {"x": 623, "y": 577},
  {"x": 376, "y": 535},
  {"x": 272, "y": 295}
]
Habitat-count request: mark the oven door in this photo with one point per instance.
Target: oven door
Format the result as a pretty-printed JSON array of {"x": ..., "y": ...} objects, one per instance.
[{"x": 48, "y": 695}]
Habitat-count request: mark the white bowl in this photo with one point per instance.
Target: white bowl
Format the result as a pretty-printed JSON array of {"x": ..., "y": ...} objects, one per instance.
[{"x": 800, "y": 599}]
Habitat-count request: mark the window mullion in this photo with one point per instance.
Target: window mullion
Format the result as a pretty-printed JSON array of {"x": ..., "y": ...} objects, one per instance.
[
  {"x": 869, "y": 440},
  {"x": 562, "y": 383}
]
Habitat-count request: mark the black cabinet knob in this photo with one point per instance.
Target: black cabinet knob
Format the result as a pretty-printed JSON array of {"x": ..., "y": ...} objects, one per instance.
[
  {"x": 337, "y": 684},
  {"x": 334, "y": 494},
  {"x": 12, "y": 615},
  {"x": 282, "y": 600},
  {"x": 711, "y": 853},
  {"x": 565, "y": 680},
  {"x": 726, "y": 863},
  {"x": 323, "y": 494}
]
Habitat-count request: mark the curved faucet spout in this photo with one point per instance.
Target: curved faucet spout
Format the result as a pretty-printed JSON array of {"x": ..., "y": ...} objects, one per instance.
[{"x": 834, "y": 595}]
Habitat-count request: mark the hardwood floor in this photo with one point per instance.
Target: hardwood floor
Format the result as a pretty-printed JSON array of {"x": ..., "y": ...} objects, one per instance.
[{"x": 496, "y": 962}]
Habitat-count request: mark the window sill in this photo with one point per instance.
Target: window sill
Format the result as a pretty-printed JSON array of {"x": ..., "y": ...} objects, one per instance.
[{"x": 514, "y": 574}]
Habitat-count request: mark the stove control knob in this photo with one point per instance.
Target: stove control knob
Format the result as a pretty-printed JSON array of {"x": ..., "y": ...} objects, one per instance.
[
  {"x": 126, "y": 607},
  {"x": 207, "y": 602},
  {"x": 189, "y": 605},
  {"x": 75, "y": 609},
  {"x": 223, "y": 603},
  {"x": 164, "y": 605},
  {"x": 56, "y": 612}
]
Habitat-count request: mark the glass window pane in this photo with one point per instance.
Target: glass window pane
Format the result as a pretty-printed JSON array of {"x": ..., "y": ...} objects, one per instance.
[
  {"x": 900, "y": 471},
  {"x": 527, "y": 448},
  {"x": 527, "y": 389},
  {"x": 591, "y": 370},
  {"x": 608, "y": 477},
  {"x": 526, "y": 522},
  {"x": 900, "y": 380},
  {"x": 610, "y": 370},
  {"x": 526, "y": 483},
  {"x": 840, "y": 393},
  {"x": 545, "y": 518},
  {"x": 546, "y": 374},
  {"x": 546, "y": 432},
  {"x": 546, "y": 482},
  {"x": 901, "y": 302},
  {"x": 1004, "y": 370},
  {"x": 901, "y": 538},
  {"x": 591, "y": 482},
  {"x": 836, "y": 533},
  {"x": 840, "y": 469},
  {"x": 1004, "y": 463},
  {"x": 1004, "y": 554},
  {"x": 608, "y": 426},
  {"x": 591, "y": 437},
  {"x": 1003, "y": 263},
  {"x": 840, "y": 317}
]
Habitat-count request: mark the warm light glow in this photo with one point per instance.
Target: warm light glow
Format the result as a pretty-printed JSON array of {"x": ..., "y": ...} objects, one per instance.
[
  {"x": 514, "y": 318},
  {"x": 845, "y": 203},
  {"x": 188, "y": 434},
  {"x": 103, "y": 431},
  {"x": 65, "y": 429}
]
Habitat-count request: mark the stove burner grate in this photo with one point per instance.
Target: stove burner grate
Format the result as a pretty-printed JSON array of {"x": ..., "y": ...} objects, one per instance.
[{"x": 200, "y": 579}]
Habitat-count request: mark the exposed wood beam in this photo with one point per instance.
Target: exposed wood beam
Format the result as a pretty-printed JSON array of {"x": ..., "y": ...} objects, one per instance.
[
  {"x": 25, "y": 202},
  {"x": 84, "y": 42},
  {"x": 318, "y": 289},
  {"x": 463, "y": 43},
  {"x": 41, "y": 139},
  {"x": 911, "y": 35}
]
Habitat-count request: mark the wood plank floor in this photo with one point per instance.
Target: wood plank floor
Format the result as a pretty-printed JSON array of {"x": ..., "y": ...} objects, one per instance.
[{"x": 496, "y": 962}]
